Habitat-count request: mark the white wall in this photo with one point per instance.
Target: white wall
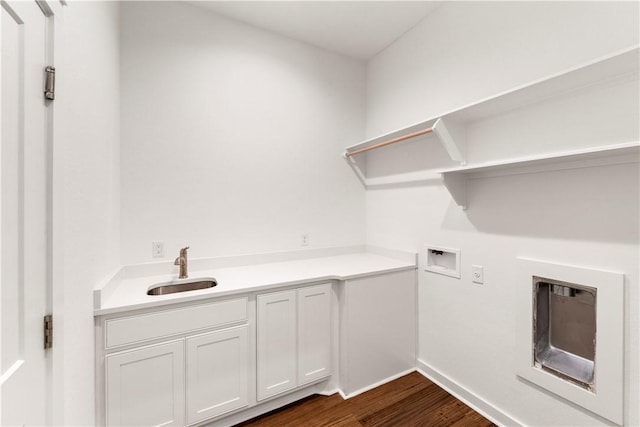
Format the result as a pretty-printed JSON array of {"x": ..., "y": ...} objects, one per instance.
[
  {"x": 87, "y": 135},
  {"x": 231, "y": 137},
  {"x": 230, "y": 143},
  {"x": 463, "y": 52}
]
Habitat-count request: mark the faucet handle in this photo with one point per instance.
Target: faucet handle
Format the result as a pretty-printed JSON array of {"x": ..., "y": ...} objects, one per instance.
[{"x": 183, "y": 251}]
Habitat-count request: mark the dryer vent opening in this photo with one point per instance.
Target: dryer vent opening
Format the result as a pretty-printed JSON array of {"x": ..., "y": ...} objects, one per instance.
[{"x": 564, "y": 335}]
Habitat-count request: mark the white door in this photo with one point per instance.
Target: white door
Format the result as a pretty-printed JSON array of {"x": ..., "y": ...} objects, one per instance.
[
  {"x": 145, "y": 387},
  {"x": 277, "y": 352},
  {"x": 217, "y": 366},
  {"x": 23, "y": 215},
  {"x": 314, "y": 333}
]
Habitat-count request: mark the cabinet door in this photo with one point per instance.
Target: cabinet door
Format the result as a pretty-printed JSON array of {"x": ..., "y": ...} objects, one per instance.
[
  {"x": 145, "y": 387},
  {"x": 277, "y": 352},
  {"x": 314, "y": 333},
  {"x": 217, "y": 365}
]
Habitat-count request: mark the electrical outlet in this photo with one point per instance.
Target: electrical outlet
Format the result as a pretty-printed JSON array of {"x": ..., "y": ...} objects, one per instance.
[
  {"x": 157, "y": 249},
  {"x": 305, "y": 240},
  {"x": 477, "y": 274}
]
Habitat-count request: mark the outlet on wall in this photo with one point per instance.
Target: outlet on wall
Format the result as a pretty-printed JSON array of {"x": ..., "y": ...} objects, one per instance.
[
  {"x": 305, "y": 240},
  {"x": 157, "y": 249},
  {"x": 477, "y": 274}
]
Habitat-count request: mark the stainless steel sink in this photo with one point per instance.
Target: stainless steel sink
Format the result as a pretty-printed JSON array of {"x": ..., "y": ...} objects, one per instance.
[{"x": 182, "y": 286}]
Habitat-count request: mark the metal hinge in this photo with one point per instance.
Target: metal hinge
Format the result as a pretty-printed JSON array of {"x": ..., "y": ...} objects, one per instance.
[
  {"x": 50, "y": 83},
  {"x": 48, "y": 331}
]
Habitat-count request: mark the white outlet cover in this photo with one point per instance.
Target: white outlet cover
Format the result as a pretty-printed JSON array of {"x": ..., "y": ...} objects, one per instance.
[
  {"x": 157, "y": 249},
  {"x": 477, "y": 274}
]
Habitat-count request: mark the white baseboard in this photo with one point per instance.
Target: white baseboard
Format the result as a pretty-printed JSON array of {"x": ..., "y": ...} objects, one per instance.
[
  {"x": 328, "y": 392},
  {"x": 261, "y": 408},
  {"x": 481, "y": 406},
  {"x": 374, "y": 385}
]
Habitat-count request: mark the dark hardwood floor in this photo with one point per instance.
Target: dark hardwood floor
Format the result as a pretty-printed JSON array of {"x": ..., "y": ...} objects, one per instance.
[{"x": 409, "y": 401}]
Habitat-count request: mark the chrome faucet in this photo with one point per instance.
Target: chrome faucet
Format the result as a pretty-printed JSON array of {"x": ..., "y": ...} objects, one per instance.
[{"x": 182, "y": 262}]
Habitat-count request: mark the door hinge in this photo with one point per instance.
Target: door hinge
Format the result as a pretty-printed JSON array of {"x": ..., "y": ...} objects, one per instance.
[
  {"x": 48, "y": 331},
  {"x": 50, "y": 83}
]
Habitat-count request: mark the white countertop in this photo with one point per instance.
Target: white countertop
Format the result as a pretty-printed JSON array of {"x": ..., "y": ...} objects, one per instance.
[{"x": 131, "y": 293}]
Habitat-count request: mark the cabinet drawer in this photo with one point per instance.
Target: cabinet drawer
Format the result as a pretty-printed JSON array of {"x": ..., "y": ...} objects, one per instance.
[{"x": 128, "y": 330}]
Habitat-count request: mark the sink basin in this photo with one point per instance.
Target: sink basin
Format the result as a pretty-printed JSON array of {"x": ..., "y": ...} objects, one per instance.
[{"x": 183, "y": 285}]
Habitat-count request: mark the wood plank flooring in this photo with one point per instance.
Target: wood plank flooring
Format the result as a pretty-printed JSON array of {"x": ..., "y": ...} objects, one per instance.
[{"x": 409, "y": 401}]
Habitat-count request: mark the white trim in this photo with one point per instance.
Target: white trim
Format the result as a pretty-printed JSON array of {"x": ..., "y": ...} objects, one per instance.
[
  {"x": 376, "y": 384},
  {"x": 328, "y": 392},
  {"x": 56, "y": 52},
  {"x": 471, "y": 399},
  {"x": 261, "y": 408},
  {"x": 1, "y": 381}
]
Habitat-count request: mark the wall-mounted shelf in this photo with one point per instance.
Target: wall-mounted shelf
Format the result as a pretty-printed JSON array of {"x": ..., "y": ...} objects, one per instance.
[
  {"x": 449, "y": 134},
  {"x": 456, "y": 179},
  {"x": 452, "y": 135}
]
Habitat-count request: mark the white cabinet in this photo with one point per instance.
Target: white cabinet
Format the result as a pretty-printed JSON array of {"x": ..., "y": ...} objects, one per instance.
[
  {"x": 162, "y": 324},
  {"x": 314, "y": 333},
  {"x": 294, "y": 338},
  {"x": 377, "y": 330},
  {"x": 175, "y": 366},
  {"x": 217, "y": 373},
  {"x": 224, "y": 360},
  {"x": 276, "y": 343},
  {"x": 145, "y": 387}
]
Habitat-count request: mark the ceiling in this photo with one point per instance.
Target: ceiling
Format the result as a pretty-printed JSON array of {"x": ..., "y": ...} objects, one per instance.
[{"x": 358, "y": 29}]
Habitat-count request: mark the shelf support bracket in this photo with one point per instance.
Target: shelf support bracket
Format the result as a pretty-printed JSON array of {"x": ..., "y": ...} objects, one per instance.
[
  {"x": 354, "y": 165},
  {"x": 453, "y": 139},
  {"x": 457, "y": 186}
]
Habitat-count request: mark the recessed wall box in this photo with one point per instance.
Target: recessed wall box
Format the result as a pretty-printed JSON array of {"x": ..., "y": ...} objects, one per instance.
[
  {"x": 570, "y": 334},
  {"x": 564, "y": 330},
  {"x": 443, "y": 260}
]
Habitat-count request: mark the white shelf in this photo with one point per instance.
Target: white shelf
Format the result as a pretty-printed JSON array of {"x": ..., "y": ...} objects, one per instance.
[
  {"x": 618, "y": 66},
  {"x": 456, "y": 179},
  {"x": 449, "y": 135}
]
